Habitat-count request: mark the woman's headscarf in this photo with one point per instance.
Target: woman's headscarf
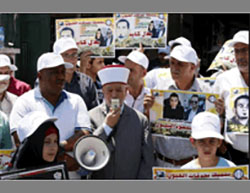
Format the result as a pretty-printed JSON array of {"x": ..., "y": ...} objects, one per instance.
[{"x": 29, "y": 153}]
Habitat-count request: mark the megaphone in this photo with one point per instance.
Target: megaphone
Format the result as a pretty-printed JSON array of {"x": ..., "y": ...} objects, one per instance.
[{"x": 91, "y": 152}]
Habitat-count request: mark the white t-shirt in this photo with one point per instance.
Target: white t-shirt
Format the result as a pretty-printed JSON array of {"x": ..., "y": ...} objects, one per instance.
[
  {"x": 156, "y": 76},
  {"x": 71, "y": 111},
  {"x": 221, "y": 163},
  {"x": 8, "y": 102},
  {"x": 138, "y": 102},
  {"x": 230, "y": 85}
]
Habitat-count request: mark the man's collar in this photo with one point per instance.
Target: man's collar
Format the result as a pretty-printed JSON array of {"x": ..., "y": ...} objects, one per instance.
[{"x": 38, "y": 93}]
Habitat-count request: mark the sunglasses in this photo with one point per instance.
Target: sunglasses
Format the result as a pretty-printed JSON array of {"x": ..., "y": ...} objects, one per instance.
[{"x": 194, "y": 102}]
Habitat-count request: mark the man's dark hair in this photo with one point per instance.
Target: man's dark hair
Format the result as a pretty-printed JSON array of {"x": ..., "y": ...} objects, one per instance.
[
  {"x": 123, "y": 20},
  {"x": 67, "y": 28},
  {"x": 240, "y": 97},
  {"x": 174, "y": 95}
]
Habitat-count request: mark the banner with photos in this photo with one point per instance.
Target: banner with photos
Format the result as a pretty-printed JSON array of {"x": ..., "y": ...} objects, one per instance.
[
  {"x": 173, "y": 111},
  {"x": 94, "y": 34},
  {"x": 5, "y": 157},
  {"x": 150, "y": 29},
  {"x": 218, "y": 173}
]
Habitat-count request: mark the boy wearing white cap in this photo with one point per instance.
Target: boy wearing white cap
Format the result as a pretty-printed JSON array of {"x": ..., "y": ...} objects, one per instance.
[
  {"x": 76, "y": 82},
  {"x": 49, "y": 97},
  {"x": 230, "y": 85},
  {"x": 206, "y": 138},
  {"x": 137, "y": 62},
  {"x": 124, "y": 129}
]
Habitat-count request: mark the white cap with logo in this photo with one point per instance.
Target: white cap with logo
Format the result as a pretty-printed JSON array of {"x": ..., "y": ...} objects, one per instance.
[
  {"x": 206, "y": 124},
  {"x": 240, "y": 37},
  {"x": 184, "y": 54},
  {"x": 51, "y": 60},
  {"x": 63, "y": 44},
  {"x": 136, "y": 57},
  {"x": 113, "y": 74},
  {"x": 30, "y": 123}
]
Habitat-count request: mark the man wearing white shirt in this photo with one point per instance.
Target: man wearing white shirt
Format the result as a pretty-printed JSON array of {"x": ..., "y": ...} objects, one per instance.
[
  {"x": 230, "y": 84},
  {"x": 137, "y": 62},
  {"x": 73, "y": 120}
]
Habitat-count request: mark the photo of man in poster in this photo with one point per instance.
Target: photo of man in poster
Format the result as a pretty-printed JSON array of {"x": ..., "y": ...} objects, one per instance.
[
  {"x": 195, "y": 108},
  {"x": 173, "y": 108},
  {"x": 122, "y": 29},
  {"x": 241, "y": 110}
]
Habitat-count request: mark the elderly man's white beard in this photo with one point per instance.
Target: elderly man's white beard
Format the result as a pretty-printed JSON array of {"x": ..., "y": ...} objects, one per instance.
[
  {"x": 4, "y": 82},
  {"x": 3, "y": 87}
]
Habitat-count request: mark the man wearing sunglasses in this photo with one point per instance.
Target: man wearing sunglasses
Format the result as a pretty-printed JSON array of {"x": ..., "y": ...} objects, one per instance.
[{"x": 195, "y": 108}]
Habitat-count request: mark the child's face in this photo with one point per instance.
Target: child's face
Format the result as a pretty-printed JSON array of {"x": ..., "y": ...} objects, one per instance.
[
  {"x": 50, "y": 147},
  {"x": 206, "y": 147}
]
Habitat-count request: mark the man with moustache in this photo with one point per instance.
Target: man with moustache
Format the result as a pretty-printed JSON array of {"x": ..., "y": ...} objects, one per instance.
[
  {"x": 137, "y": 63},
  {"x": 176, "y": 151},
  {"x": 49, "y": 96},
  {"x": 125, "y": 130},
  {"x": 229, "y": 83},
  {"x": 7, "y": 99},
  {"x": 76, "y": 82}
]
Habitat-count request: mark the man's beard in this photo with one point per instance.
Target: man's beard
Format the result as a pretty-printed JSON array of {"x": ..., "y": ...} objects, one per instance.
[{"x": 3, "y": 87}]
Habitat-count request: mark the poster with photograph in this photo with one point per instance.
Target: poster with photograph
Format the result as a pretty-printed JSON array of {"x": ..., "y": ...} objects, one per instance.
[
  {"x": 237, "y": 123},
  {"x": 94, "y": 34},
  {"x": 173, "y": 111},
  {"x": 150, "y": 29},
  {"x": 226, "y": 173},
  {"x": 5, "y": 157}
]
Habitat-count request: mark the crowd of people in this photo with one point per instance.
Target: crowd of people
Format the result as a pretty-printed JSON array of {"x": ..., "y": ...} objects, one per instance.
[{"x": 44, "y": 123}]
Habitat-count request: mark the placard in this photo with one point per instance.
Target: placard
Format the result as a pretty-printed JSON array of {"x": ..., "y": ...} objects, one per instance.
[
  {"x": 215, "y": 173},
  {"x": 173, "y": 111},
  {"x": 94, "y": 34},
  {"x": 150, "y": 29}
]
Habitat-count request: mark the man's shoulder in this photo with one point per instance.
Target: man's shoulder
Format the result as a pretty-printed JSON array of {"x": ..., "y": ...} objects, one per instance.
[
  {"x": 11, "y": 95},
  {"x": 133, "y": 112},
  {"x": 82, "y": 76},
  {"x": 72, "y": 96},
  {"x": 229, "y": 74}
]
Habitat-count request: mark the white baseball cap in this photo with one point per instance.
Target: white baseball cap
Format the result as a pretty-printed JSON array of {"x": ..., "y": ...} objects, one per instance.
[
  {"x": 30, "y": 123},
  {"x": 206, "y": 124},
  {"x": 51, "y": 60},
  {"x": 5, "y": 61},
  {"x": 184, "y": 54},
  {"x": 240, "y": 37},
  {"x": 180, "y": 40},
  {"x": 136, "y": 57},
  {"x": 63, "y": 44},
  {"x": 113, "y": 73}
]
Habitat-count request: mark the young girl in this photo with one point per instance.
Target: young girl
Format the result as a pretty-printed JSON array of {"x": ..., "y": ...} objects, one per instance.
[
  {"x": 206, "y": 138},
  {"x": 39, "y": 139}
]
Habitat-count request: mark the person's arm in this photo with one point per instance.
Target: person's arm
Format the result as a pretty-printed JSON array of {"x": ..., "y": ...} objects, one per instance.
[
  {"x": 68, "y": 144},
  {"x": 148, "y": 103}
]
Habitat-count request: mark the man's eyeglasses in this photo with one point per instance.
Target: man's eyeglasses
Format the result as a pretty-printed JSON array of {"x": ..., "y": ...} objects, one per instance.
[{"x": 74, "y": 55}]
